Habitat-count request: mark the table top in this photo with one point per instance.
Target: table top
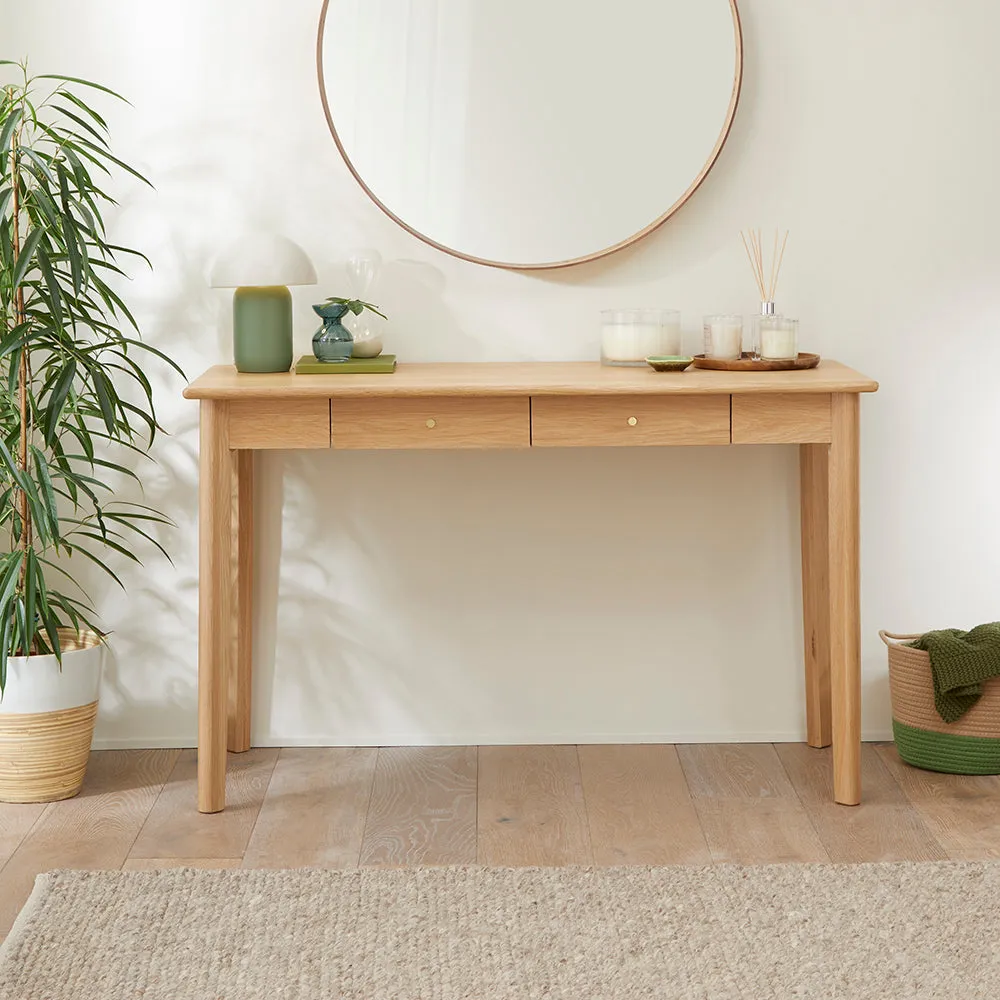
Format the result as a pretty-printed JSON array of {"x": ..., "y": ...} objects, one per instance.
[{"x": 530, "y": 378}]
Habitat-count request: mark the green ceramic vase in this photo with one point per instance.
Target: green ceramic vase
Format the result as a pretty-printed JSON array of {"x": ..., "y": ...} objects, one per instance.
[{"x": 262, "y": 329}]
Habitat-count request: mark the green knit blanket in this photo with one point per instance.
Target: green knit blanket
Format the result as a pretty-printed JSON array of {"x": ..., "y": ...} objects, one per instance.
[{"x": 960, "y": 663}]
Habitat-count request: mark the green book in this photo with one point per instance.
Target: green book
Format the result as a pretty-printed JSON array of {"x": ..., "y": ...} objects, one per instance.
[{"x": 308, "y": 365}]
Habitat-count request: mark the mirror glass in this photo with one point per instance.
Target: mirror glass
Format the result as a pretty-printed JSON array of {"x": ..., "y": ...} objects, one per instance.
[{"x": 529, "y": 133}]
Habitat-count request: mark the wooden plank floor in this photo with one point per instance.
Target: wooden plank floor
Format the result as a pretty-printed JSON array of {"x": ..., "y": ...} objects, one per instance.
[{"x": 538, "y": 805}]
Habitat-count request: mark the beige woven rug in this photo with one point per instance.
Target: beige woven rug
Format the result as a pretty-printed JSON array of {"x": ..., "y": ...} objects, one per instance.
[{"x": 822, "y": 932}]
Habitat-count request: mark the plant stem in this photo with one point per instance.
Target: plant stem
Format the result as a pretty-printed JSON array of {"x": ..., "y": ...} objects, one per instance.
[{"x": 23, "y": 371}]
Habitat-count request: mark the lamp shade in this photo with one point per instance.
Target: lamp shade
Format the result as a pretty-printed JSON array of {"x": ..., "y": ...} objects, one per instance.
[{"x": 259, "y": 259}]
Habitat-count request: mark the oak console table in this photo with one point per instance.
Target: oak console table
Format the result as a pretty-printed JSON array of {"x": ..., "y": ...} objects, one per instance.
[{"x": 533, "y": 405}]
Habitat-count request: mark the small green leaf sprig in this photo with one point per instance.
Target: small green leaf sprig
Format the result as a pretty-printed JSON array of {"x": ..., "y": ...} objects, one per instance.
[{"x": 356, "y": 305}]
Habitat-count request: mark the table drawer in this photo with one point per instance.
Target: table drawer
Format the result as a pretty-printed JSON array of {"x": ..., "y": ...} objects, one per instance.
[
  {"x": 279, "y": 423},
  {"x": 583, "y": 421},
  {"x": 432, "y": 422},
  {"x": 781, "y": 418}
]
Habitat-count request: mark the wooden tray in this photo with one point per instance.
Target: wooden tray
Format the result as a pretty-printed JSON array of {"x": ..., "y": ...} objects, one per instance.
[{"x": 746, "y": 363}]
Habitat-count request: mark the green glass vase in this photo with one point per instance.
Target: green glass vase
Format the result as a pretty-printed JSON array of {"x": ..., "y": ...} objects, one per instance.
[
  {"x": 262, "y": 329},
  {"x": 332, "y": 342}
]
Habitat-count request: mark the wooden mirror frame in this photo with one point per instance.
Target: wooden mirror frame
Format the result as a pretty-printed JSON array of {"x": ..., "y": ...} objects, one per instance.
[{"x": 597, "y": 255}]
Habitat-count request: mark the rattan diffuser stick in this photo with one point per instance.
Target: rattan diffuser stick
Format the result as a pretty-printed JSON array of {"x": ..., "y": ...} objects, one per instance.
[{"x": 753, "y": 244}]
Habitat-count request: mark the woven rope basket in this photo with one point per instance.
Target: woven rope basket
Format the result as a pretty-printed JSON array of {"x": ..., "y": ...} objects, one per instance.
[
  {"x": 44, "y": 754},
  {"x": 44, "y": 757},
  {"x": 971, "y": 745}
]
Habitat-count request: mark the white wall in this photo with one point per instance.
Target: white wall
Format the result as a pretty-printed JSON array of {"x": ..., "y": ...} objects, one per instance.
[{"x": 580, "y": 595}]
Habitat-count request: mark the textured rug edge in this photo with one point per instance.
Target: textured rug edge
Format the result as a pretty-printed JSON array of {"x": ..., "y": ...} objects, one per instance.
[
  {"x": 19, "y": 929},
  {"x": 45, "y": 879}
]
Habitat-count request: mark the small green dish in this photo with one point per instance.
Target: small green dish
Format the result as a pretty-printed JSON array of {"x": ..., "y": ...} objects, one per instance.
[{"x": 669, "y": 362}]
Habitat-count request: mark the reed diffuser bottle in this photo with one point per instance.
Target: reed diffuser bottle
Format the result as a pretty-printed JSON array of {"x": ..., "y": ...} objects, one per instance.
[{"x": 774, "y": 337}]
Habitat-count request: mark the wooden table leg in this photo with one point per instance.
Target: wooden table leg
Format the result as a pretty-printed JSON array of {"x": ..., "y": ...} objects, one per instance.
[
  {"x": 845, "y": 598},
  {"x": 242, "y": 631},
  {"x": 813, "y": 468},
  {"x": 215, "y": 605}
]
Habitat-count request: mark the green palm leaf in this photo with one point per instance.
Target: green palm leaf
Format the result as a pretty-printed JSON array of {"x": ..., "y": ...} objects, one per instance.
[{"x": 79, "y": 395}]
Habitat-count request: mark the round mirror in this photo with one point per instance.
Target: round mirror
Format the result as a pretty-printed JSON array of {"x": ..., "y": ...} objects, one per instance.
[{"x": 529, "y": 133}]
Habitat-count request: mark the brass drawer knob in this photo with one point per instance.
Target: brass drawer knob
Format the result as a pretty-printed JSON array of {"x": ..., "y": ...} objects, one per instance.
[
  {"x": 431, "y": 422},
  {"x": 632, "y": 421}
]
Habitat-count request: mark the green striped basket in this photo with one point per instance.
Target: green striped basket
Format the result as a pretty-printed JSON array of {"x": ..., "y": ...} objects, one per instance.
[{"x": 970, "y": 745}]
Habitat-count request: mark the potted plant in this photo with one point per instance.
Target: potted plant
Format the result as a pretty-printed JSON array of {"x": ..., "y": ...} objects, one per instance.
[{"x": 74, "y": 402}]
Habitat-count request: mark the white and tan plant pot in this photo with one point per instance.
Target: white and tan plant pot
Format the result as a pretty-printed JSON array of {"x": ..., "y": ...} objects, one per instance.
[{"x": 47, "y": 716}]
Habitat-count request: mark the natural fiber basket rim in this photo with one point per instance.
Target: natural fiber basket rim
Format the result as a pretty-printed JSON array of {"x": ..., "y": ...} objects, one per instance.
[{"x": 72, "y": 641}]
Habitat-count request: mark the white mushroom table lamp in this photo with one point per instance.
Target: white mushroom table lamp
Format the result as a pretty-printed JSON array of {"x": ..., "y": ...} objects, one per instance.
[{"x": 260, "y": 268}]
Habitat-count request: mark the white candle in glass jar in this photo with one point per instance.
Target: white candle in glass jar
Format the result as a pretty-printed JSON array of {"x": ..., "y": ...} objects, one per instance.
[
  {"x": 629, "y": 341},
  {"x": 629, "y": 336},
  {"x": 779, "y": 340},
  {"x": 724, "y": 337}
]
